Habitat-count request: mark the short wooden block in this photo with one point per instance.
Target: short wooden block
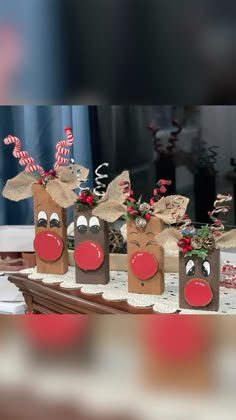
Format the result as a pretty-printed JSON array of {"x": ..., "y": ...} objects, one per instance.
[
  {"x": 91, "y": 252},
  {"x": 199, "y": 282},
  {"x": 50, "y": 241},
  {"x": 145, "y": 258}
]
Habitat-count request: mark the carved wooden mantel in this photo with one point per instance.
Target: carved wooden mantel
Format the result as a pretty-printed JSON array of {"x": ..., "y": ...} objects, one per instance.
[{"x": 51, "y": 299}]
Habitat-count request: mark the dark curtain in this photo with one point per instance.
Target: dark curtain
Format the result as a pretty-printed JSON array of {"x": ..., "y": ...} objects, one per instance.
[{"x": 120, "y": 136}]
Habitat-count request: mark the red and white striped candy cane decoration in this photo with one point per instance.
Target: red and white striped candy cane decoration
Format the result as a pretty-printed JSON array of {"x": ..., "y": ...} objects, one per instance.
[
  {"x": 61, "y": 150},
  {"x": 23, "y": 156}
]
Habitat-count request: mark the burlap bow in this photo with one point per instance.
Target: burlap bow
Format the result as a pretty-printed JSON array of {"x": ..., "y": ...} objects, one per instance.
[
  {"x": 170, "y": 236},
  {"x": 111, "y": 207},
  {"x": 59, "y": 188},
  {"x": 170, "y": 209}
]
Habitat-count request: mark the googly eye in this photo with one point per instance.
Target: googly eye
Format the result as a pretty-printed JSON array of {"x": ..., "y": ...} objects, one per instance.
[
  {"x": 82, "y": 224},
  {"x": 42, "y": 219},
  {"x": 190, "y": 268},
  {"x": 54, "y": 220},
  {"x": 94, "y": 224},
  {"x": 206, "y": 268}
]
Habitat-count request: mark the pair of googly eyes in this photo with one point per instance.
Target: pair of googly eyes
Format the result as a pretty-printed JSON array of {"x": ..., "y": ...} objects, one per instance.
[
  {"x": 191, "y": 268},
  {"x": 42, "y": 220},
  {"x": 83, "y": 224}
]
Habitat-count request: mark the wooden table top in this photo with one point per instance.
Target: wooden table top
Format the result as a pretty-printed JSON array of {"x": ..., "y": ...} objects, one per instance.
[{"x": 51, "y": 299}]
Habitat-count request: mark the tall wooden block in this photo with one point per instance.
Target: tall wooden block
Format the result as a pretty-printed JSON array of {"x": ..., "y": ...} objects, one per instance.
[
  {"x": 91, "y": 252},
  {"x": 145, "y": 258},
  {"x": 50, "y": 241},
  {"x": 199, "y": 282}
]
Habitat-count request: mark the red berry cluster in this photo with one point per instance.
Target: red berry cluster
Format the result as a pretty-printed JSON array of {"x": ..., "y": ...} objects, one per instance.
[
  {"x": 133, "y": 207},
  {"x": 185, "y": 244},
  {"x": 160, "y": 189},
  {"x": 86, "y": 198},
  {"x": 50, "y": 174},
  {"x": 127, "y": 190}
]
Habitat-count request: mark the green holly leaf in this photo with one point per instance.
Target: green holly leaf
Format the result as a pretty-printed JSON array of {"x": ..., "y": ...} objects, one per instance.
[
  {"x": 131, "y": 205},
  {"x": 139, "y": 201},
  {"x": 128, "y": 217},
  {"x": 204, "y": 231},
  {"x": 200, "y": 253}
]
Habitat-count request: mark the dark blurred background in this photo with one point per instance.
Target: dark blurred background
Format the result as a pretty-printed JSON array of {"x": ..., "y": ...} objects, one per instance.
[{"x": 117, "y": 52}]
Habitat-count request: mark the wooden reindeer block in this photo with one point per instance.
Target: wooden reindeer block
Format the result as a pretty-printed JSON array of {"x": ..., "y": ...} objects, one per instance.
[
  {"x": 145, "y": 258},
  {"x": 91, "y": 253},
  {"x": 53, "y": 193},
  {"x": 50, "y": 241},
  {"x": 199, "y": 282}
]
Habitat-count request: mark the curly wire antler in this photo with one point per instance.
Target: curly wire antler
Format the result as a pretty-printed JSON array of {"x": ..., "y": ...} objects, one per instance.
[
  {"x": 217, "y": 227},
  {"x": 157, "y": 142},
  {"x": 159, "y": 190},
  {"x": 61, "y": 150},
  {"x": 186, "y": 222},
  {"x": 203, "y": 154},
  {"x": 213, "y": 155},
  {"x": 99, "y": 189},
  {"x": 23, "y": 156},
  {"x": 174, "y": 137},
  {"x": 127, "y": 191}
]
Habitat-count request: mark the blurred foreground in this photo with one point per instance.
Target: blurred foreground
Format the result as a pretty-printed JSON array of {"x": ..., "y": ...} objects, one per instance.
[
  {"x": 117, "y": 52},
  {"x": 161, "y": 367}
]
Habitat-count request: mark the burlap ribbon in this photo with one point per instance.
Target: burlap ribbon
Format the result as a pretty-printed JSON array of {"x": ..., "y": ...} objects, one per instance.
[
  {"x": 169, "y": 237},
  {"x": 59, "y": 188},
  {"x": 171, "y": 209},
  {"x": 226, "y": 240},
  {"x": 111, "y": 206}
]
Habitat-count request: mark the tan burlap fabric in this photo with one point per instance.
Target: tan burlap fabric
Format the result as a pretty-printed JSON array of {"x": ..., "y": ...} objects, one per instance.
[
  {"x": 60, "y": 188},
  {"x": 171, "y": 209},
  {"x": 170, "y": 236},
  {"x": 110, "y": 207},
  {"x": 226, "y": 240}
]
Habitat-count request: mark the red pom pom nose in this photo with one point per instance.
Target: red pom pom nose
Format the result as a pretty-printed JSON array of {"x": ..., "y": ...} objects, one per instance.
[
  {"x": 143, "y": 265},
  {"x": 48, "y": 246},
  {"x": 198, "y": 293},
  {"x": 89, "y": 255}
]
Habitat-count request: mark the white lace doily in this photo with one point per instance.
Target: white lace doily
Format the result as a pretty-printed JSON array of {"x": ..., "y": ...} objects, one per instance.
[{"x": 117, "y": 290}]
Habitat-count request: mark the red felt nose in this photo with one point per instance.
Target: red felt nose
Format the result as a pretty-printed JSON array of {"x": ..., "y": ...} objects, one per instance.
[
  {"x": 48, "y": 246},
  {"x": 89, "y": 255},
  {"x": 198, "y": 293},
  {"x": 143, "y": 265}
]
